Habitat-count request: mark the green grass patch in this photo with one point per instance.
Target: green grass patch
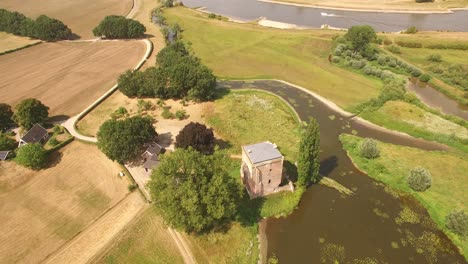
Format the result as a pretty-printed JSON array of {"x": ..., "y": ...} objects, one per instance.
[
  {"x": 449, "y": 185},
  {"x": 248, "y": 51},
  {"x": 147, "y": 241},
  {"x": 408, "y": 118}
]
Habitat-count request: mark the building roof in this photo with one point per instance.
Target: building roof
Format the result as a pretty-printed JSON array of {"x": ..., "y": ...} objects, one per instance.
[
  {"x": 35, "y": 134},
  {"x": 4, "y": 154},
  {"x": 154, "y": 149},
  {"x": 152, "y": 162},
  {"x": 261, "y": 152}
]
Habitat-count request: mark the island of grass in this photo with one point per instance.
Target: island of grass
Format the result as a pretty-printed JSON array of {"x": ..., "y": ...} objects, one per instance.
[
  {"x": 448, "y": 170},
  {"x": 231, "y": 117}
]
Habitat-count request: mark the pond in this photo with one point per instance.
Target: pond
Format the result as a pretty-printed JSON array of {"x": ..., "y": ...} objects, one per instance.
[
  {"x": 328, "y": 225},
  {"x": 247, "y": 10}
]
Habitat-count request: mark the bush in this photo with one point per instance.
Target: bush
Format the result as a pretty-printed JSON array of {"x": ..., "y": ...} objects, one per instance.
[
  {"x": 6, "y": 143},
  {"x": 132, "y": 187},
  {"x": 419, "y": 179},
  {"x": 32, "y": 156},
  {"x": 392, "y": 63},
  {"x": 411, "y": 30},
  {"x": 121, "y": 112},
  {"x": 415, "y": 72},
  {"x": 434, "y": 58},
  {"x": 387, "y": 75},
  {"x": 394, "y": 49},
  {"x": 387, "y": 41},
  {"x": 336, "y": 59},
  {"x": 181, "y": 114},
  {"x": 358, "y": 64},
  {"x": 381, "y": 59},
  {"x": 53, "y": 142},
  {"x": 167, "y": 114},
  {"x": 119, "y": 27},
  {"x": 58, "y": 129},
  {"x": 424, "y": 77},
  {"x": 457, "y": 222},
  {"x": 369, "y": 149}
]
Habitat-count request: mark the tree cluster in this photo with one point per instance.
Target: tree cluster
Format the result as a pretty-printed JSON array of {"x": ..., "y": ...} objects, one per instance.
[
  {"x": 194, "y": 192},
  {"x": 308, "y": 163},
  {"x": 6, "y": 115},
  {"x": 30, "y": 112},
  {"x": 122, "y": 140},
  {"x": 196, "y": 136},
  {"x": 6, "y": 143},
  {"x": 119, "y": 27},
  {"x": 44, "y": 27},
  {"x": 179, "y": 74},
  {"x": 32, "y": 156}
]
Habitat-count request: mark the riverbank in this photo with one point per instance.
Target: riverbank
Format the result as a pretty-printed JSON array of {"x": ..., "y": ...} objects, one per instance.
[
  {"x": 395, "y": 162},
  {"x": 369, "y": 6}
]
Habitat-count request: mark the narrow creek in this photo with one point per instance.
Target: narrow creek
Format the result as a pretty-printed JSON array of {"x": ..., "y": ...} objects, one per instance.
[
  {"x": 435, "y": 99},
  {"x": 357, "y": 227}
]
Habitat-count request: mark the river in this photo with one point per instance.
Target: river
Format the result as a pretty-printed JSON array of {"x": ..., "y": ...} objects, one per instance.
[
  {"x": 247, "y": 10},
  {"x": 356, "y": 227}
]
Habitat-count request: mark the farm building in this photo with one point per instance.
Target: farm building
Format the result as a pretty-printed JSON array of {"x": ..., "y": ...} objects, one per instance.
[
  {"x": 151, "y": 159},
  {"x": 4, "y": 155},
  {"x": 262, "y": 168},
  {"x": 37, "y": 134}
]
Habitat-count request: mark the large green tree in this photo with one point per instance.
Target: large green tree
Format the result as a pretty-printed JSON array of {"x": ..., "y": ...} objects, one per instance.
[
  {"x": 6, "y": 143},
  {"x": 308, "y": 163},
  {"x": 51, "y": 29},
  {"x": 32, "y": 156},
  {"x": 360, "y": 36},
  {"x": 30, "y": 112},
  {"x": 119, "y": 27},
  {"x": 197, "y": 136},
  {"x": 122, "y": 140},
  {"x": 194, "y": 192},
  {"x": 5, "y": 116}
]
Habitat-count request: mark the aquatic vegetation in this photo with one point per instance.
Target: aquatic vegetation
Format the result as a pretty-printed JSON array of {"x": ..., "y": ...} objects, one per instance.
[
  {"x": 332, "y": 253},
  {"x": 407, "y": 216}
]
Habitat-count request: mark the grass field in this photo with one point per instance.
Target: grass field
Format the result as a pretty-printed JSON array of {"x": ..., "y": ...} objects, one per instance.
[
  {"x": 449, "y": 185},
  {"x": 408, "y": 118},
  {"x": 146, "y": 241},
  {"x": 11, "y": 42},
  {"x": 67, "y": 77},
  {"x": 404, "y": 5},
  {"x": 249, "y": 51},
  {"x": 80, "y": 16},
  {"x": 41, "y": 210}
]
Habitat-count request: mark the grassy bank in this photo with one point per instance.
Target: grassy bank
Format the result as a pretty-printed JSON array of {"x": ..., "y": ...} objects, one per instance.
[
  {"x": 448, "y": 190},
  {"x": 250, "y": 51},
  {"x": 411, "y": 119}
]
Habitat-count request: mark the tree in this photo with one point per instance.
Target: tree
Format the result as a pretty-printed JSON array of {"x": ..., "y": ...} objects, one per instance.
[
  {"x": 130, "y": 83},
  {"x": 308, "y": 163},
  {"x": 194, "y": 192},
  {"x": 50, "y": 29},
  {"x": 5, "y": 116},
  {"x": 32, "y": 156},
  {"x": 419, "y": 179},
  {"x": 360, "y": 36},
  {"x": 30, "y": 112},
  {"x": 6, "y": 143},
  {"x": 368, "y": 149},
  {"x": 119, "y": 27},
  {"x": 122, "y": 140},
  {"x": 197, "y": 136}
]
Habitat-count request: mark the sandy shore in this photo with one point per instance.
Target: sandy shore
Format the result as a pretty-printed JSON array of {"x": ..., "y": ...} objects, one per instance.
[{"x": 448, "y": 11}]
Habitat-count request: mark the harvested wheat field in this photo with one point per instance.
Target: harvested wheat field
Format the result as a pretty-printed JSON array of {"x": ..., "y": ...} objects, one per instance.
[
  {"x": 81, "y": 16},
  {"x": 11, "y": 42},
  {"x": 65, "y": 76},
  {"x": 41, "y": 210}
]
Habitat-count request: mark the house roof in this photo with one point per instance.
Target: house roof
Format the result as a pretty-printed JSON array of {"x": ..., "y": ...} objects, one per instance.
[
  {"x": 35, "y": 134},
  {"x": 154, "y": 149},
  {"x": 151, "y": 162},
  {"x": 261, "y": 152},
  {"x": 4, "y": 154}
]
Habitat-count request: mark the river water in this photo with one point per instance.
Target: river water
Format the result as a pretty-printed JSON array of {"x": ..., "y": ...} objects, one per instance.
[
  {"x": 356, "y": 227},
  {"x": 248, "y": 10}
]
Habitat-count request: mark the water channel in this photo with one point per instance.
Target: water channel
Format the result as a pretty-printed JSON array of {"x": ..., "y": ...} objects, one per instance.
[
  {"x": 247, "y": 10},
  {"x": 355, "y": 227}
]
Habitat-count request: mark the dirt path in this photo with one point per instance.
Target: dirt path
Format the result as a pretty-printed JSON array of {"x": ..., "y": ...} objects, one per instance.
[{"x": 90, "y": 242}]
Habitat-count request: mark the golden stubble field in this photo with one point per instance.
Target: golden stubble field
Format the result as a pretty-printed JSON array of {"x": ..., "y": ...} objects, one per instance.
[
  {"x": 11, "y": 42},
  {"x": 41, "y": 210},
  {"x": 81, "y": 16},
  {"x": 66, "y": 76}
]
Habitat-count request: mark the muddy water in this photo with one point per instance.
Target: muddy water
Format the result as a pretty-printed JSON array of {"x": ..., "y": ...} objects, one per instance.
[
  {"x": 328, "y": 225},
  {"x": 312, "y": 17},
  {"x": 436, "y": 99}
]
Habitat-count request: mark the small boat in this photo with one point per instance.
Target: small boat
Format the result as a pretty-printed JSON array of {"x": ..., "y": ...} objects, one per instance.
[{"x": 326, "y": 14}]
